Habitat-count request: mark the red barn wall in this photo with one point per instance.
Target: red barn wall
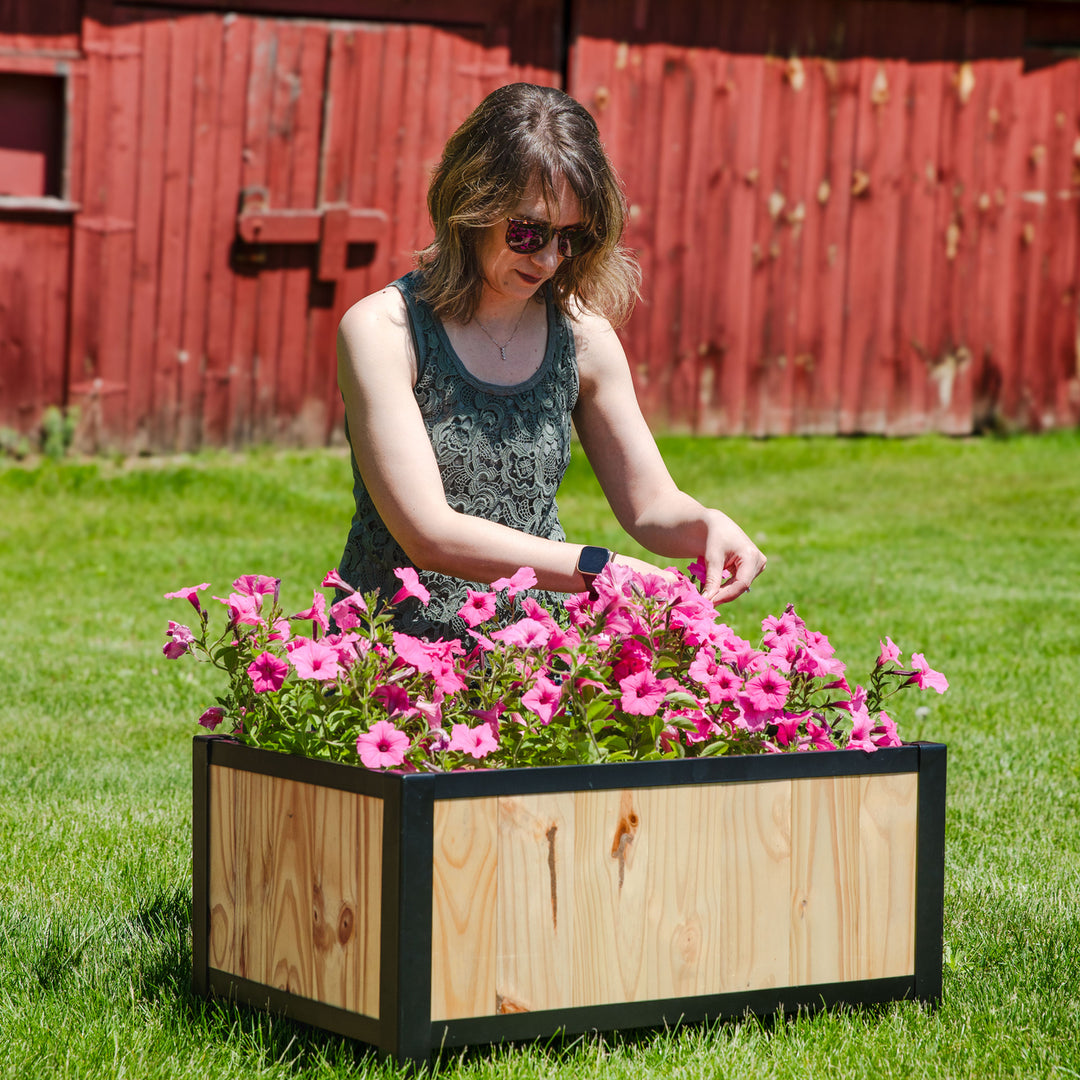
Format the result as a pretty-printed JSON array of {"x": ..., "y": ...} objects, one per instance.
[{"x": 852, "y": 216}]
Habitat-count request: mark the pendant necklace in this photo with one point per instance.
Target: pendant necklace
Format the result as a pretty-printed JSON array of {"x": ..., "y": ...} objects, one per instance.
[{"x": 502, "y": 348}]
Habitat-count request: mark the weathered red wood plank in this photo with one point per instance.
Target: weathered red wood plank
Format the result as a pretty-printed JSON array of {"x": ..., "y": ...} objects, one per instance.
[
  {"x": 202, "y": 172},
  {"x": 243, "y": 348},
  {"x": 745, "y": 80},
  {"x": 908, "y": 411},
  {"x": 146, "y": 269},
  {"x": 218, "y": 421},
  {"x": 284, "y": 73},
  {"x": 296, "y": 397},
  {"x": 870, "y": 345},
  {"x": 169, "y": 359},
  {"x": 1062, "y": 404}
]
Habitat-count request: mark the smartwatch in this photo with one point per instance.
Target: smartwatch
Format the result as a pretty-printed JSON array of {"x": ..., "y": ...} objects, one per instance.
[{"x": 590, "y": 562}]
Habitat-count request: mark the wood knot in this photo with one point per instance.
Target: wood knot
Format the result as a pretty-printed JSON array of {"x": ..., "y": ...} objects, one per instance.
[
  {"x": 624, "y": 834},
  {"x": 345, "y": 926},
  {"x": 504, "y": 1004}
]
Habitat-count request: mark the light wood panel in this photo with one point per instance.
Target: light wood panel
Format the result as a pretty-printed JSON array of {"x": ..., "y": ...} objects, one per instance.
[
  {"x": 597, "y": 897},
  {"x": 463, "y": 893},
  {"x": 295, "y": 887}
]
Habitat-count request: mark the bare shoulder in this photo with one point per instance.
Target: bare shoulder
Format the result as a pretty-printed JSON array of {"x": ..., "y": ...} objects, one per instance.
[
  {"x": 377, "y": 326},
  {"x": 596, "y": 343}
]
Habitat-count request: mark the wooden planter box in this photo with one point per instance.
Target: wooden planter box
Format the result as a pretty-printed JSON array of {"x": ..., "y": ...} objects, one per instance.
[{"x": 416, "y": 912}]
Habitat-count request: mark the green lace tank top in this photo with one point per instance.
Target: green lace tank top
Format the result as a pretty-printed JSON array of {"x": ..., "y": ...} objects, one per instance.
[{"x": 502, "y": 452}]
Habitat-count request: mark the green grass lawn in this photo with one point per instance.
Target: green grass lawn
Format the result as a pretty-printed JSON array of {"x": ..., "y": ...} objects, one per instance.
[{"x": 966, "y": 550}]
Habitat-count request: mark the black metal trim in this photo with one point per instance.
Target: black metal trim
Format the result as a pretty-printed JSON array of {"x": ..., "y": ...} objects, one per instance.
[
  {"x": 667, "y": 1012},
  {"x": 258, "y": 995},
  {"x": 540, "y": 780},
  {"x": 200, "y": 867},
  {"x": 930, "y": 872},
  {"x": 390, "y": 924},
  {"x": 231, "y": 754}
]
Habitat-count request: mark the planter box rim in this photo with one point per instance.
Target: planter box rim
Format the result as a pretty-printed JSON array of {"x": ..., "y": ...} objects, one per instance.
[{"x": 227, "y": 751}]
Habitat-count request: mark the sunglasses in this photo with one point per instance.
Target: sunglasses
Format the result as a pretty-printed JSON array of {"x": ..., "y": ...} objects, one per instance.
[{"x": 526, "y": 237}]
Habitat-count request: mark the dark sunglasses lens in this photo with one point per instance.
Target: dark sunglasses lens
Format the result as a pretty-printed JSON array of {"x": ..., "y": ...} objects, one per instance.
[
  {"x": 574, "y": 242},
  {"x": 524, "y": 237}
]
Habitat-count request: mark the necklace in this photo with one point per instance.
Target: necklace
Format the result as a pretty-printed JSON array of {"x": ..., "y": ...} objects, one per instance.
[{"x": 502, "y": 348}]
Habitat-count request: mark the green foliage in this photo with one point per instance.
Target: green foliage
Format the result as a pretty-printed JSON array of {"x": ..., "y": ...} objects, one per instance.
[
  {"x": 966, "y": 549},
  {"x": 58, "y": 430}
]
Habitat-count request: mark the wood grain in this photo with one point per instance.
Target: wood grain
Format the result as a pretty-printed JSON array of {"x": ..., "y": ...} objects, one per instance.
[
  {"x": 463, "y": 913},
  {"x": 535, "y": 933},
  {"x": 295, "y": 887},
  {"x": 600, "y": 897}
]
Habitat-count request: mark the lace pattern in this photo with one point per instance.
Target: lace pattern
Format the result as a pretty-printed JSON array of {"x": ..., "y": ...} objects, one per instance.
[{"x": 502, "y": 452}]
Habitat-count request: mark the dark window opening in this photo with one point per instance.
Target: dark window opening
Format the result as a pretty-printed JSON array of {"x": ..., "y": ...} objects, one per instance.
[{"x": 31, "y": 135}]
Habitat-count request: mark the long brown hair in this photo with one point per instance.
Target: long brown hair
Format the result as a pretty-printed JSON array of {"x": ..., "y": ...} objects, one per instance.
[{"x": 518, "y": 135}]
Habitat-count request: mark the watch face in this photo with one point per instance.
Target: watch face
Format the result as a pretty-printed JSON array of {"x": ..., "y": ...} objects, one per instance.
[{"x": 593, "y": 559}]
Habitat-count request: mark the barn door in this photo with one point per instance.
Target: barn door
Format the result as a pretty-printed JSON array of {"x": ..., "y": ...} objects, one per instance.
[{"x": 273, "y": 171}]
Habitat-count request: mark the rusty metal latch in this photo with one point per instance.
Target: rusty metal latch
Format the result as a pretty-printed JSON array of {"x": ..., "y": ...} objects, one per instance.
[{"x": 333, "y": 226}]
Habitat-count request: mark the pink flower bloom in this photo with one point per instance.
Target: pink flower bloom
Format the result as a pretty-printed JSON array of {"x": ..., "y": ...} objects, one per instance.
[
  {"x": 267, "y": 672},
  {"x": 820, "y": 736},
  {"x": 767, "y": 691},
  {"x": 345, "y": 645},
  {"x": 410, "y": 586},
  {"x": 313, "y": 659},
  {"x": 243, "y": 608},
  {"x": 492, "y": 716},
  {"x": 478, "y": 741},
  {"x": 347, "y": 612},
  {"x": 257, "y": 585},
  {"x": 446, "y": 677},
  {"x": 334, "y": 580},
  {"x": 281, "y": 631},
  {"x": 383, "y": 746},
  {"x": 890, "y": 653},
  {"x": 316, "y": 613},
  {"x": 485, "y": 643},
  {"x": 885, "y": 733},
  {"x": 180, "y": 632},
  {"x": 478, "y": 608},
  {"x": 925, "y": 676},
  {"x": 860, "y": 731},
  {"x": 543, "y": 699},
  {"x": 524, "y": 578},
  {"x": 212, "y": 717},
  {"x": 394, "y": 698},
  {"x": 538, "y": 612},
  {"x": 525, "y": 633},
  {"x": 787, "y": 727},
  {"x": 643, "y": 693},
  {"x": 173, "y": 650},
  {"x": 812, "y": 663},
  {"x": 697, "y": 569},
  {"x": 191, "y": 593}
]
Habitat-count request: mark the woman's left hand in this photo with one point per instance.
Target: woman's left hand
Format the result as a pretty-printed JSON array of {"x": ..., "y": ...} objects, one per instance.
[{"x": 727, "y": 547}]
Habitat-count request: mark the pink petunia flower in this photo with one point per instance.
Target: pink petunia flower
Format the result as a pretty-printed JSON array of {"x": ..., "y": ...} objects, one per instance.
[
  {"x": 885, "y": 733},
  {"x": 525, "y": 633},
  {"x": 524, "y": 578},
  {"x": 382, "y": 746},
  {"x": 767, "y": 690},
  {"x": 313, "y": 659},
  {"x": 860, "y": 731},
  {"x": 643, "y": 693},
  {"x": 243, "y": 608},
  {"x": 212, "y": 717},
  {"x": 334, "y": 580},
  {"x": 478, "y": 741},
  {"x": 410, "y": 586},
  {"x": 173, "y": 650},
  {"x": 316, "y": 613},
  {"x": 543, "y": 698},
  {"x": 478, "y": 608},
  {"x": 346, "y": 612},
  {"x": 890, "y": 653},
  {"x": 257, "y": 585},
  {"x": 191, "y": 593},
  {"x": 395, "y": 699},
  {"x": 925, "y": 676},
  {"x": 267, "y": 672},
  {"x": 182, "y": 639}
]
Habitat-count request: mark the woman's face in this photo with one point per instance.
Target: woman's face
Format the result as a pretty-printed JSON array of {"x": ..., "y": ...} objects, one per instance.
[{"x": 517, "y": 277}]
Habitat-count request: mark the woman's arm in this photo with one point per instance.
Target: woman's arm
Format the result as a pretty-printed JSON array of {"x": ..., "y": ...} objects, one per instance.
[
  {"x": 625, "y": 458},
  {"x": 377, "y": 369}
]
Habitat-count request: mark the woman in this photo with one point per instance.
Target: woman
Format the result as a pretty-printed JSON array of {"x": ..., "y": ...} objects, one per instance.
[{"x": 460, "y": 379}]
